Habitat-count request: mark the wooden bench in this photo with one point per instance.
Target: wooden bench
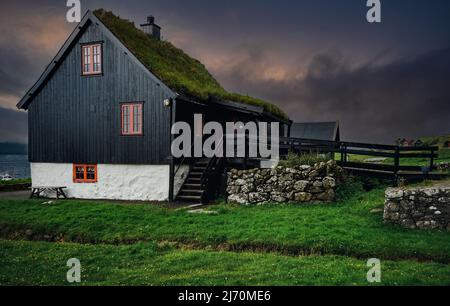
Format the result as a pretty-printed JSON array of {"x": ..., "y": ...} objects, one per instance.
[{"x": 38, "y": 191}]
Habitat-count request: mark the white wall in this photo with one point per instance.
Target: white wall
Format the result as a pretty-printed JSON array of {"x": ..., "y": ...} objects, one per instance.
[{"x": 115, "y": 182}]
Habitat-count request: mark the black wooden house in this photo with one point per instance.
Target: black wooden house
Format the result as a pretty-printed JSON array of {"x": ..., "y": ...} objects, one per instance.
[{"x": 100, "y": 115}]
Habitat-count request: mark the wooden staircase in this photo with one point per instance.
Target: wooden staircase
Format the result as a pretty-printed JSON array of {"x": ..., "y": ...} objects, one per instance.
[
  {"x": 192, "y": 189},
  {"x": 201, "y": 184}
]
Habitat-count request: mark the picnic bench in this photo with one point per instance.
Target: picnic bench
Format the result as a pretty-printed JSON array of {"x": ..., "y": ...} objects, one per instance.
[{"x": 39, "y": 191}]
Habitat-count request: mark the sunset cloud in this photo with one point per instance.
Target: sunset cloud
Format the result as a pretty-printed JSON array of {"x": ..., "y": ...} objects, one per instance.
[{"x": 318, "y": 60}]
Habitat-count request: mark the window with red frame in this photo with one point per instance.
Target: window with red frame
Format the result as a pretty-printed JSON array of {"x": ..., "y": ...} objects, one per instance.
[
  {"x": 85, "y": 173},
  {"x": 131, "y": 114},
  {"x": 91, "y": 59}
]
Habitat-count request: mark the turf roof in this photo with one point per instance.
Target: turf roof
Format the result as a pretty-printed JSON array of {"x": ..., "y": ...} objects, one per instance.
[{"x": 175, "y": 68}]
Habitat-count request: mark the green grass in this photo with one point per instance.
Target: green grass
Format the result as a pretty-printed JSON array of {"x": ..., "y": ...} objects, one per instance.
[
  {"x": 345, "y": 228},
  {"x": 435, "y": 140},
  {"x": 444, "y": 156},
  {"x": 17, "y": 181},
  {"x": 41, "y": 263},
  {"x": 293, "y": 159},
  {"x": 174, "y": 67}
]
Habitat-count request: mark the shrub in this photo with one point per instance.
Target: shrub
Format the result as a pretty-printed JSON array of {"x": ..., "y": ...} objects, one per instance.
[{"x": 293, "y": 159}]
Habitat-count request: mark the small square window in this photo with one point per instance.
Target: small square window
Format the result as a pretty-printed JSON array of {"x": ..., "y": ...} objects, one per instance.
[
  {"x": 91, "y": 59},
  {"x": 85, "y": 173},
  {"x": 131, "y": 116}
]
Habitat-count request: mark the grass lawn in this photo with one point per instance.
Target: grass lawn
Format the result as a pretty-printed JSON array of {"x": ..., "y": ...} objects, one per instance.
[
  {"x": 345, "y": 228},
  {"x": 16, "y": 181},
  {"x": 43, "y": 263},
  {"x": 444, "y": 156},
  {"x": 122, "y": 243}
]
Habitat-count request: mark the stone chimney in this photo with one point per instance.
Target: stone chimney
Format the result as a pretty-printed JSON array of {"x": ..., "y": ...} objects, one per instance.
[{"x": 151, "y": 28}]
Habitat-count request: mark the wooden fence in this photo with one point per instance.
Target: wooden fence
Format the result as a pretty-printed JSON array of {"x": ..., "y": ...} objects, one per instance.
[{"x": 396, "y": 154}]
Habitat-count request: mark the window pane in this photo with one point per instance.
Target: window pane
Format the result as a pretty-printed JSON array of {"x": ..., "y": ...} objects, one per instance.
[
  {"x": 79, "y": 172},
  {"x": 86, "y": 59},
  {"x": 136, "y": 119},
  {"x": 126, "y": 119},
  {"x": 90, "y": 173},
  {"x": 97, "y": 59}
]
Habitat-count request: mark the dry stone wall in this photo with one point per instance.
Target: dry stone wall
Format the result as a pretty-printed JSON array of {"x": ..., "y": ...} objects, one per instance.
[
  {"x": 421, "y": 208},
  {"x": 282, "y": 184}
]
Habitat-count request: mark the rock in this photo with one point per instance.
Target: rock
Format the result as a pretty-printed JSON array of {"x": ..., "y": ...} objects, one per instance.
[
  {"x": 393, "y": 207},
  {"x": 238, "y": 198},
  {"x": 300, "y": 185},
  {"x": 430, "y": 191},
  {"x": 393, "y": 193},
  {"x": 326, "y": 196},
  {"x": 421, "y": 208},
  {"x": 376, "y": 211},
  {"x": 328, "y": 182},
  {"x": 240, "y": 182},
  {"x": 313, "y": 174},
  {"x": 28, "y": 233},
  {"x": 233, "y": 189},
  {"x": 249, "y": 187},
  {"x": 278, "y": 197},
  {"x": 303, "y": 197},
  {"x": 256, "y": 197}
]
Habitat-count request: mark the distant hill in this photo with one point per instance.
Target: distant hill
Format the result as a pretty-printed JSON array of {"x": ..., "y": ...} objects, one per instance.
[
  {"x": 436, "y": 140},
  {"x": 13, "y": 148}
]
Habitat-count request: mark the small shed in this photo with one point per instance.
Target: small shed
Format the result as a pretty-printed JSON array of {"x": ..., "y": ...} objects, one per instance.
[{"x": 316, "y": 130}]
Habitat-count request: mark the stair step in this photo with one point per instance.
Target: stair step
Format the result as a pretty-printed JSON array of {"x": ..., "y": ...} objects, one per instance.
[
  {"x": 191, "y": 193},
  {"x": 201, "y": 163},
  {"x": 188, "y": 185},
  {"x": 198, "y": 169},
  {"x": 195, "y": 174},
  {"x": 189, "y": 198},
  {"x": 193, "y": 180}
]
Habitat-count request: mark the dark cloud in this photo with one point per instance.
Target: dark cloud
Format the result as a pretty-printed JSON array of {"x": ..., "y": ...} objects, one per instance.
[
  {"x": 13, "y": 126},
  {"x": 373, "y": 102},
  {"x": 275, "y": 50}
]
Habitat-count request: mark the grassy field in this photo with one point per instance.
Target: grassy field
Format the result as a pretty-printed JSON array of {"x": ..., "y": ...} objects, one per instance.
[
  {"x": 277, "y": 244},
  {"x": 345, "y": 228},
  {"x": 16, "y": 181},
  {"x": 444, "y": 157},
  {"x": 43, "y": 263}
]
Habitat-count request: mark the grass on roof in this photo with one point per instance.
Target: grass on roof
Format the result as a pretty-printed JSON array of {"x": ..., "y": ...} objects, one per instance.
[{"x": 175, "y": 68}]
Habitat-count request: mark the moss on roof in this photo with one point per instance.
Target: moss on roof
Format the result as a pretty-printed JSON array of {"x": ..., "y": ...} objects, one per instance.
[{"x": 175, "y": 68}]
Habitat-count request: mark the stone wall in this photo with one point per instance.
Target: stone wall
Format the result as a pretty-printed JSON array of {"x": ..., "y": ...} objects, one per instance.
[
  {"x": 298, "y": 184},
  {"x": 421, "y": 208}
]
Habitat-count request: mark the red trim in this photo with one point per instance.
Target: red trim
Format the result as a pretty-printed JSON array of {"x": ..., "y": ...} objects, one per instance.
[
  {"x": 128, "y": 128},
  {"x": 91, "y": 59},
  {"x": 85, "y": 172}
]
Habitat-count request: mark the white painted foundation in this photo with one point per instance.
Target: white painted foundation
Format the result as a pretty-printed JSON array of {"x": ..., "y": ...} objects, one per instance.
[{"x": 115, "y": 182}]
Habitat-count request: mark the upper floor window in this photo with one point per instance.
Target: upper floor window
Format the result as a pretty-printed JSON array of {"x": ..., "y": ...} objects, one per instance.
[
  {"x": 91, "y": 59},
  {"x": 131, "y": 114}
]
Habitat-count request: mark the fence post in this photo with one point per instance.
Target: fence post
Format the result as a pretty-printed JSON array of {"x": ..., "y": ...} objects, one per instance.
[
  {"x": 432, "y": 160},
  {"x": 396, "y": 163}
]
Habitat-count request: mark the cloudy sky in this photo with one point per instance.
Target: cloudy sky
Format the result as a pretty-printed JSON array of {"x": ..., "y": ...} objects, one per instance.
[{"x": 320, "y": 60}]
